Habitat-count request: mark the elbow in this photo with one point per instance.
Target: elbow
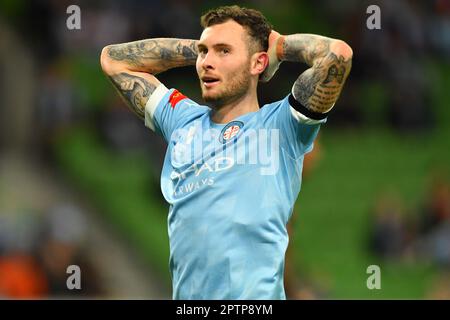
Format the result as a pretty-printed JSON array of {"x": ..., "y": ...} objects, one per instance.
[
  {"x": 105, "y": 61},
  {"x": 341, "y": 48}
]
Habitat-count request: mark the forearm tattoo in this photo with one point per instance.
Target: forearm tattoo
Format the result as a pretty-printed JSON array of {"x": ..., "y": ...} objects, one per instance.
[
  {"x": 155, "y": 55},
  {"x": 135, "y": 90},
  {"x": 319, "y": 87}
]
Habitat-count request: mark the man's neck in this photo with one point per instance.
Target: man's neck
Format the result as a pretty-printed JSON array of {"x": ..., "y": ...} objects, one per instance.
[{"x": 228, "y": 112}]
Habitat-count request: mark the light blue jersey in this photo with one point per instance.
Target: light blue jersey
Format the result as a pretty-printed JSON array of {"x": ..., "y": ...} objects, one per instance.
[{"x": 231, "y": 189}]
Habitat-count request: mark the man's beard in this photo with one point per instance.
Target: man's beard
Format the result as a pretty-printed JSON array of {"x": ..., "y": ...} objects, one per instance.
[{"x": 237, "y": 88}]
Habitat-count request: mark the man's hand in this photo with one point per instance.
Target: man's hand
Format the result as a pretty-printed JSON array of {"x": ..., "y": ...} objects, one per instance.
[{"x": 274, "y": 61}]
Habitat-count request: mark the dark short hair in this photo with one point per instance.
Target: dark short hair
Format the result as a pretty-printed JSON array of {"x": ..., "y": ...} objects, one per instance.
[{"x": 252, "y": 20}]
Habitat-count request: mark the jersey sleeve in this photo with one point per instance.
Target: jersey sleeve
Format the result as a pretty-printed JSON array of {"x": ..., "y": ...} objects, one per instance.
[
  {"x": 168, "y": 109},
  {"x": 297, "y": 131}
]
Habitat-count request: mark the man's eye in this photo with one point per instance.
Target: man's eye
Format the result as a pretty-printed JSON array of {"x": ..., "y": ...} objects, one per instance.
[{"x": 225, "y": 51}]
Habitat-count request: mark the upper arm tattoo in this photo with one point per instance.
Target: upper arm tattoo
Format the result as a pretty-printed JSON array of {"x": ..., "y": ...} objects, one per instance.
[
  {"x": 146, "y": 56},
  {"x": 318, "y": 87},
  {"x": 135, "y": 90}
]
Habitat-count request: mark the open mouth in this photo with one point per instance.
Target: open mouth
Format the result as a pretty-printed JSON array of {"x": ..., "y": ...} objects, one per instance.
[{"x": 209, "y": 81}]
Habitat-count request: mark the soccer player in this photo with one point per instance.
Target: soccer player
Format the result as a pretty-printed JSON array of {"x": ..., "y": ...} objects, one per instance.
[{"x": 232, "y": 170}]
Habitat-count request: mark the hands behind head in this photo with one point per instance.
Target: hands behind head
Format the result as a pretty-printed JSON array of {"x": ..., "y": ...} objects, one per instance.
[{"x": 274, "y": 61}]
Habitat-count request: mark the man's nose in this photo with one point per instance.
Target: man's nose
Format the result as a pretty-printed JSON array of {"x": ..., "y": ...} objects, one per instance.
[{"x": 208, "y": 62}]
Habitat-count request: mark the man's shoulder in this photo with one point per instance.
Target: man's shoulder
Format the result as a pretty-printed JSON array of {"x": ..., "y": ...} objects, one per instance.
[
  {"x": 272, "y": 107},
  {"x": 175, "y": 97}
]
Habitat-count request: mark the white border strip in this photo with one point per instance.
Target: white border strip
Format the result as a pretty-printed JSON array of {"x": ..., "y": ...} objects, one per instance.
[
  {"x": 152, "y": 103},
  {"x": 302, "y": 118}
]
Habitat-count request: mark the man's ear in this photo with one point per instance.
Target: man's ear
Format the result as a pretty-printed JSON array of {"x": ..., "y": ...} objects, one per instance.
[{"x": 259, "y": 63}]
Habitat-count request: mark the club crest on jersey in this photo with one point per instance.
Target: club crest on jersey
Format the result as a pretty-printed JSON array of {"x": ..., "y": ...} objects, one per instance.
[{"x": 230, "y": 131}]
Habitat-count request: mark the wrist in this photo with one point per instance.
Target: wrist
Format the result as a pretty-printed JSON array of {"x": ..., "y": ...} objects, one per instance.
[{"x": 279, "y": 48}]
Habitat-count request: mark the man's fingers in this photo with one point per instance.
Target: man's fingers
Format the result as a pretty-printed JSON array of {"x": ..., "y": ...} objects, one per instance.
[{"x": 274, "y": 63}]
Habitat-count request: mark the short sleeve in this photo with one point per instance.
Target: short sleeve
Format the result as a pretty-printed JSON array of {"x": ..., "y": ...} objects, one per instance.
[
  {"x": 167, "y": 110},
  {"x": 297, "y": 131}
]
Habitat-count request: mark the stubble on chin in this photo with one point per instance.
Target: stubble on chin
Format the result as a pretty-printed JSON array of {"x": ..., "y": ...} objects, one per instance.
[{"x": 234, "y": 91}]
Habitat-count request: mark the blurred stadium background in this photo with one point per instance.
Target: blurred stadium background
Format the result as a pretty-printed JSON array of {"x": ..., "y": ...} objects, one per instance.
[{"x": 79, "y": 175}]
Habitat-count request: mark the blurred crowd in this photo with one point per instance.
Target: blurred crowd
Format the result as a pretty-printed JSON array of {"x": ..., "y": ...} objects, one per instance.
[
  {"x": 36, "y": 250},
  {"x": 391, "y": 80},
  {"x": 400, "y": 233},
  {"x": 425, "y": 232}
]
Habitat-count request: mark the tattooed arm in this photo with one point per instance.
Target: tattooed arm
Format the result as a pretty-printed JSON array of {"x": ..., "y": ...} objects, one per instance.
[
  {"x": 330, "y": 61},
  {"x": 131, "y": 66}
]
